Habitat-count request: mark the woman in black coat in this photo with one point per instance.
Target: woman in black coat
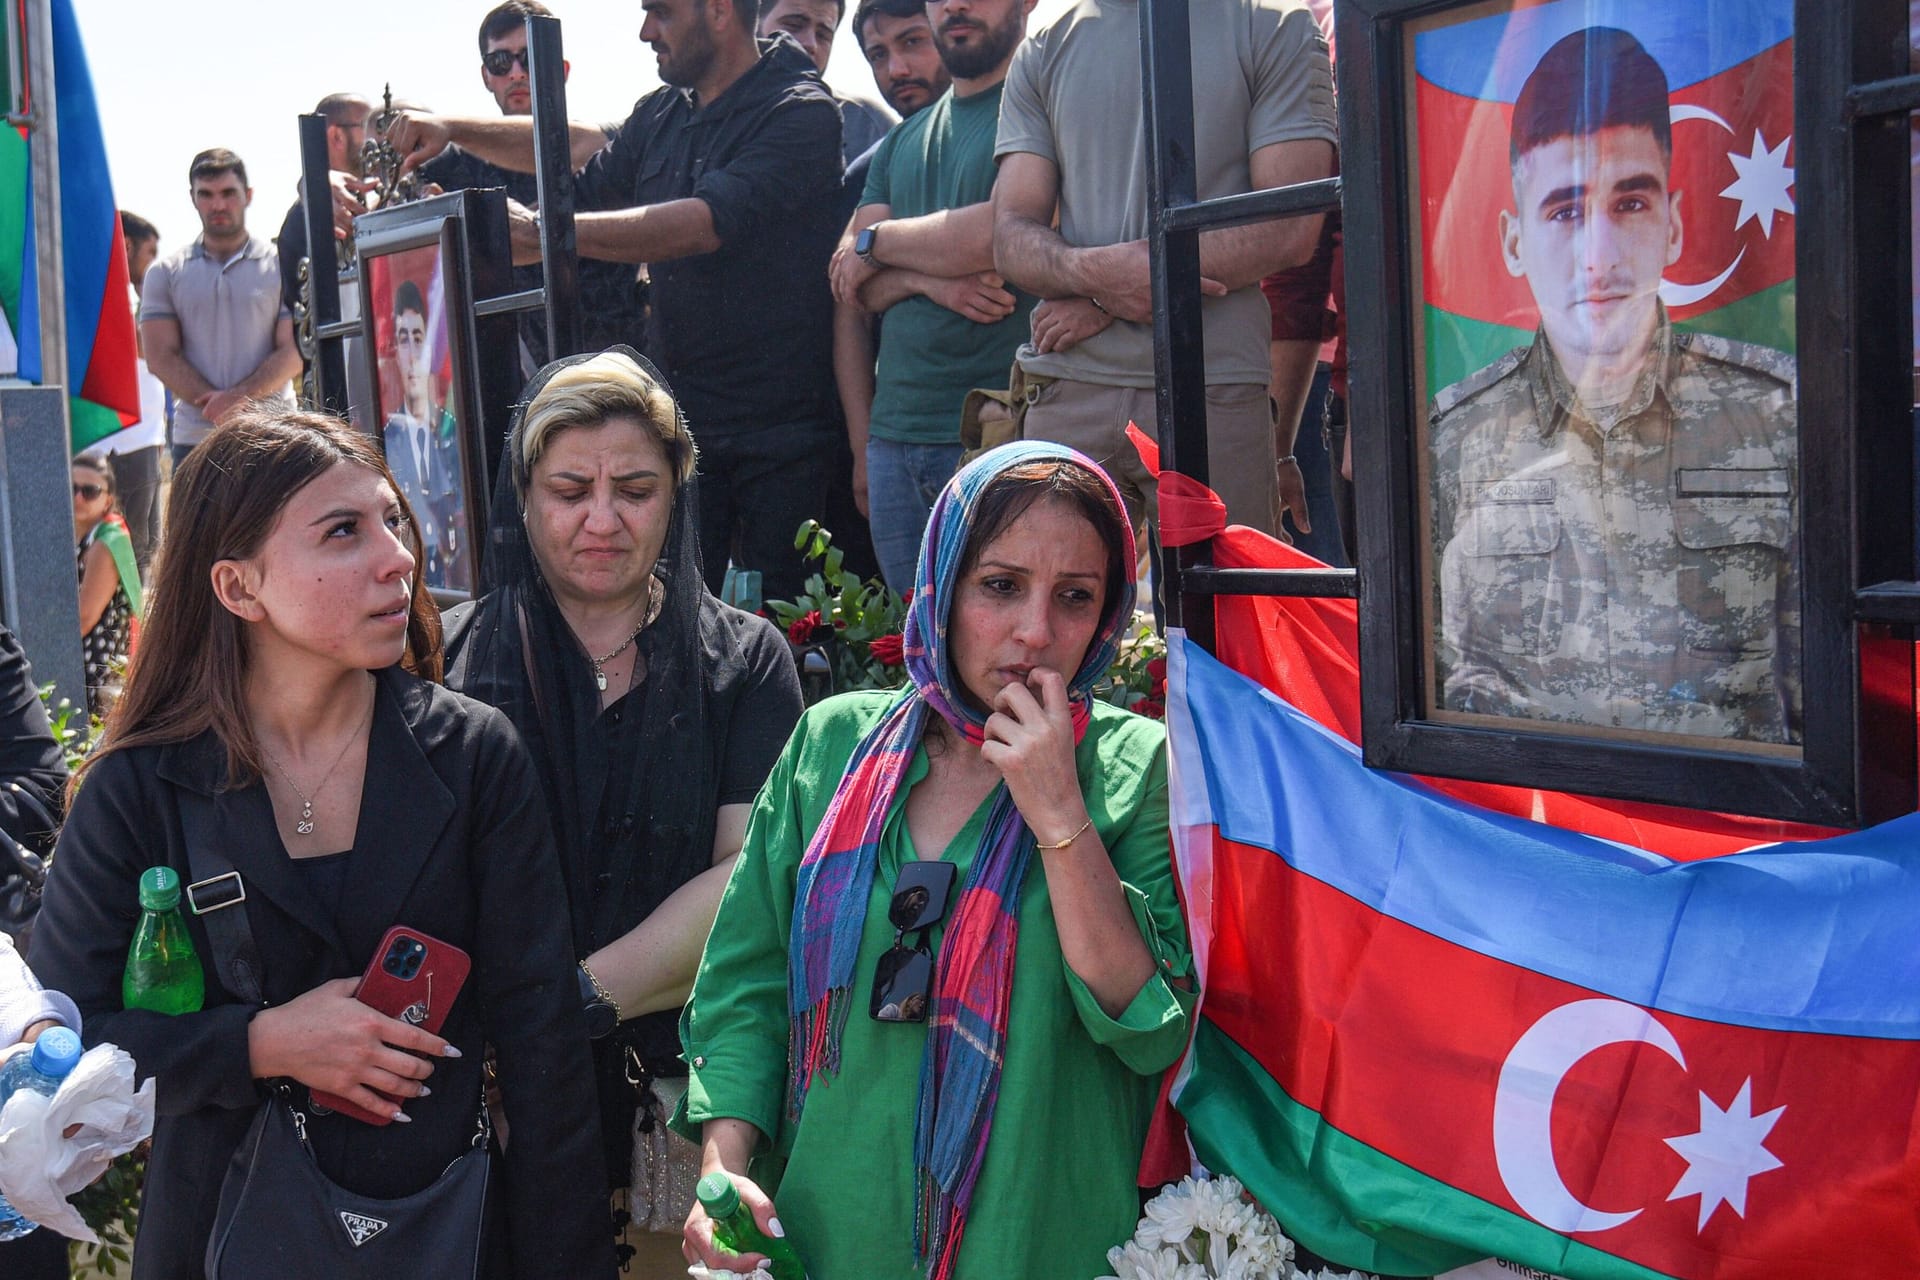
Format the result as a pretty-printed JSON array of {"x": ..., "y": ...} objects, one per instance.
[{"x": 277, "y": 712}]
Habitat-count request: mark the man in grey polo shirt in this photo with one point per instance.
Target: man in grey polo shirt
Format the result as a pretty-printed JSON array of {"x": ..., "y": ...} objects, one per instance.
[
  {"x": 1072, "y": 138},
  {"x": 212, "y": 321}
]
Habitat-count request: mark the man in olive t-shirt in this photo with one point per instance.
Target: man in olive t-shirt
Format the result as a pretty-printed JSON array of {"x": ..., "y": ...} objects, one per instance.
[{"x": 920, "y": 248}]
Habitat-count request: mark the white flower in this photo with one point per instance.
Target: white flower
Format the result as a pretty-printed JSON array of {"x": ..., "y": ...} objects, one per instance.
[
  {"x": 699, "y": 1272},
  {"x": 1206, "y": 1228},
  {"x": 1171, "y": 1216}
]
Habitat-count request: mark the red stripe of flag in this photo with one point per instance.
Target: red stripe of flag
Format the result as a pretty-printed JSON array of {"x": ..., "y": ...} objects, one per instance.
[{"x": 1398, "y": 1039}]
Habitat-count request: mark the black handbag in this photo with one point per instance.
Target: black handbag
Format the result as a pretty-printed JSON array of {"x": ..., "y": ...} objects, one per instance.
[
  {"x": 281, "y": 1216},
  {"x": 23, "y": 874}
]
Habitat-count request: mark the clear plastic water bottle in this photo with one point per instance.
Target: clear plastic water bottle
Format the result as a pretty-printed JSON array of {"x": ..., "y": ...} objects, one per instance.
[{"x": 40, "y": 1071}]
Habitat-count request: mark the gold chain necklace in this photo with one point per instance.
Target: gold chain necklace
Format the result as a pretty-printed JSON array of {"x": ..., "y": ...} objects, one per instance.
[
  {"x": 305, "y": 823},
  {"x": 653, "y": 611}
]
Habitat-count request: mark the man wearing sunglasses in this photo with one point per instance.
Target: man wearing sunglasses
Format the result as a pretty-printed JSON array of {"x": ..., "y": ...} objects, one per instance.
[
  {"x": 612, "y": 299},
  {"x": 726, "y": 183}
]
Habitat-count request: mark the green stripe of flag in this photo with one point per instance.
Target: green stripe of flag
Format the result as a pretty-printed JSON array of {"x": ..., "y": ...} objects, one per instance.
[
  {"x": 91, "y": 423},
  {"x": 1458, "y": 345},
  {"x": 1764, "y": 318},
  {"x": 14, "y": 195},
  {"x": 1347, "y": 1201}
]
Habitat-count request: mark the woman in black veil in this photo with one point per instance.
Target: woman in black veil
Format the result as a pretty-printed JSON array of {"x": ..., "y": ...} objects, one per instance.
[{"x": 653, "y": 712}]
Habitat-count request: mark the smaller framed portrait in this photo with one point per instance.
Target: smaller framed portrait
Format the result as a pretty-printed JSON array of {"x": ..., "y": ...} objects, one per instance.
[{"x": 419, "y": 357}]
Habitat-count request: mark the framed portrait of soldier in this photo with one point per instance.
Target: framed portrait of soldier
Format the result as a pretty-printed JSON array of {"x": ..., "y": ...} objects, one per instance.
[
  {"x": 1577, "y": 236},
  {"x": 421, "y": 356}
]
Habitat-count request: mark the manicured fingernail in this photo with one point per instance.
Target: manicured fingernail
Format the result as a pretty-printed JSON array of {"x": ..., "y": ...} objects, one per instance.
[
  {"x": 402, "y": 1117},
  {"x": 452, "y": 1052},
  {"x": 775, "y": 1230},
  {"x": 425, "y": 1092}
]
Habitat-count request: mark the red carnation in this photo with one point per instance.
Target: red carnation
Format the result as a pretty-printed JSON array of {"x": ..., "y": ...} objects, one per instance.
[
  {"x": 890, "y": 650},
  {"x": 1149, "y": 707},
  {"x": 1157, "y": 668},
  {"x": 801, "y": 629}
]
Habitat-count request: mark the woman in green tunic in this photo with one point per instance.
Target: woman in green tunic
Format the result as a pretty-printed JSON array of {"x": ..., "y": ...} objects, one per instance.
[{"x": 999, "y": 1136}]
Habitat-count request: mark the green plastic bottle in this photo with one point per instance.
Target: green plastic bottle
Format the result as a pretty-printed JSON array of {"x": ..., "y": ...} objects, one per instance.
[
  {"x": 735, "y": 1230},
  {"x": 163, "y": 971}
]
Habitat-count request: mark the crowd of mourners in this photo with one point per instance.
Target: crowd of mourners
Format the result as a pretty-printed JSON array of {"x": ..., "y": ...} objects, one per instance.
[{"x": 595, "y": 781}]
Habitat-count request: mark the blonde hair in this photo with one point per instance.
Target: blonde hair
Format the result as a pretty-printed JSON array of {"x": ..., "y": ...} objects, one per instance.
[{"x": 610, "y": 385}]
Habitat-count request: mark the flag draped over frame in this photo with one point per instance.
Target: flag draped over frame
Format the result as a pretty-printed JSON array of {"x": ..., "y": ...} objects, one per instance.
[
  {"x": 104, "y": 394},
  {"x": 1435, "y": 1030},
  {"x": 1431, "y": 1034}
]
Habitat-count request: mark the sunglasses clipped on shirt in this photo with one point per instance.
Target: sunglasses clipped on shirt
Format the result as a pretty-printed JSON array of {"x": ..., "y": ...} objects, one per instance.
[
  {"x": 499, "y": 62},
  {"x": 903, "y": 980}
]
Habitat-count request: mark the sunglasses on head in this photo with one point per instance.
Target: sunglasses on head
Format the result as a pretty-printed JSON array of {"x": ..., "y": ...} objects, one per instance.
[
  {"x": 88, "y": 491},
  {"x": 903, "y": 980},
  {"x": 500, "y": 61}
]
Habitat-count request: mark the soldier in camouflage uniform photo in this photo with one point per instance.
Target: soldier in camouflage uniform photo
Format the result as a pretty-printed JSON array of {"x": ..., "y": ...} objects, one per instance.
[{"x": 1614, "y": 507}]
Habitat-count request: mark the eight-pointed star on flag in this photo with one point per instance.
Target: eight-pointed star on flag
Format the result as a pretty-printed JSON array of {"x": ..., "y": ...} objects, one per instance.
[
  {"x": 1726, "y": 1154},
  {"x": 1762, "y": 186}
]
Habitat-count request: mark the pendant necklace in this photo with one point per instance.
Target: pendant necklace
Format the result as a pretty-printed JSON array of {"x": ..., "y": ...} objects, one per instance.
[
  {"x": 305, "y": 823},
  {"x": 653, "y": 611}
]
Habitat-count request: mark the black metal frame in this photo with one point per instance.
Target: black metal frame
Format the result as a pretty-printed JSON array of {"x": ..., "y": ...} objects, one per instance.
[
  {"x": 1862, "y": 587},
  {"x": 1177, "y": 218},
  {"x": 470, "y": 229}
]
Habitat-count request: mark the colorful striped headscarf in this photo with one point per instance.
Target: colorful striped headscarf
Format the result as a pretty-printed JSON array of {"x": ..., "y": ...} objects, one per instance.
[{"x": 973, "y": 979}]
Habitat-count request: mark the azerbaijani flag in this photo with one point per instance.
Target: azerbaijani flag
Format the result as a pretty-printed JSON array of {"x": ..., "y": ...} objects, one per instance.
[
  {"x": 100, "y": 345},
  {"x": 1431, "y": 1034},
  {"x": 1729, "y": 66}
]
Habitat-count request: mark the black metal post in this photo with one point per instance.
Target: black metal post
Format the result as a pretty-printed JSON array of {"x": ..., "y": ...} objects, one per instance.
[
  {"x": 323, "y": 267},
  {"x": 1179, "y": 349},
  {"x": 553, "y": 167}
]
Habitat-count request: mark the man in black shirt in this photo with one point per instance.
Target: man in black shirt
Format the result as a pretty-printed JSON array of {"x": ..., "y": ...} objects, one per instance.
[
  {"x": 612, "y": 301},
  {"x": 726, "y": 182}
]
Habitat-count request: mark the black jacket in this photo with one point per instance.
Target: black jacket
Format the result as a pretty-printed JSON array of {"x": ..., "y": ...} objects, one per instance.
[
  {"x": 453, "y": 841},
  {"x": 744, "y": 334}
]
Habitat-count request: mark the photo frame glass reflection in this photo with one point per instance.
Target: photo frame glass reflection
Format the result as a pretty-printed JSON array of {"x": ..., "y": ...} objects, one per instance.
[
  {"x": 416, "y": 355},
  {"x": 1602, "y": 238}
]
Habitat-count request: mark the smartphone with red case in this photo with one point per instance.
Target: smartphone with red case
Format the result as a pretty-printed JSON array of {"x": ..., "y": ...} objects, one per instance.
[{"x": 413, "y": 977}]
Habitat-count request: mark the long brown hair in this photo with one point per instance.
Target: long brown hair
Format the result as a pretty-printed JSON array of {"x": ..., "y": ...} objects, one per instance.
[{"x": 189, "y": 674}]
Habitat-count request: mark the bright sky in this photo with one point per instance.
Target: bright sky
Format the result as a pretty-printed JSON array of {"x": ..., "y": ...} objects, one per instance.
[{"x": 181, "y": 76}]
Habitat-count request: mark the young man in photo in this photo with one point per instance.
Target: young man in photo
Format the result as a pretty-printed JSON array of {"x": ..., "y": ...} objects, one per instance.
[{"x": 1615, "y": 505}]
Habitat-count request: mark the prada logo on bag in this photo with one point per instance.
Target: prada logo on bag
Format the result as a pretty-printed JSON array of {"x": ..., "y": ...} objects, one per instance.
[{"x": 361, "y": 1228}]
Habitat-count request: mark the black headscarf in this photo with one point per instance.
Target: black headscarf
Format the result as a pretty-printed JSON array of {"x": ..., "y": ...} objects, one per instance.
[{"x": 626, "y": 842}]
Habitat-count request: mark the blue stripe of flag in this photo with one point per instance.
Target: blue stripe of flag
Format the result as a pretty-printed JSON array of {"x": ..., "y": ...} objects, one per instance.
[
  {"x": 1816, "y": 936},
  {"x": 1692, "y": 40}
]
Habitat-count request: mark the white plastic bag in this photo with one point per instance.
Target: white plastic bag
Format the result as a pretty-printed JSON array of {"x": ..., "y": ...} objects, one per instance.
[{"x": 39, "y": 1168}]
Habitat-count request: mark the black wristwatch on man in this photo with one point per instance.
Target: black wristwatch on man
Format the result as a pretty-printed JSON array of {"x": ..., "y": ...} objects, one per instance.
[
  {"x": 863, "y": 245},
  {"x": 603, "y": 1014}
]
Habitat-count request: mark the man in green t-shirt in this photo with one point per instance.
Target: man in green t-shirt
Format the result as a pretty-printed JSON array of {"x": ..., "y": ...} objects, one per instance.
[{"x": 920, "y": 248}]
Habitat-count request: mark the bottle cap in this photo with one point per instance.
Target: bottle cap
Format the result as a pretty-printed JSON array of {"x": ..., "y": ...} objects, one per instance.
[
  {"x": 717, "y": 1193},
  {"x": 159, "y": 888},
  {"x": 55, "y": 1052}
]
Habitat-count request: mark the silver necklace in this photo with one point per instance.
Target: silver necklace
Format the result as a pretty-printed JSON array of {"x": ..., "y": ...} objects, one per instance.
[
  {"x": 305, "y": 823},
  {"x": 653, "y": 611}
]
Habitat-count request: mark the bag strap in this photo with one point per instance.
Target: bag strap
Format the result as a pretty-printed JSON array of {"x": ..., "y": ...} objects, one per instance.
[{"x": 218, "y": 896}]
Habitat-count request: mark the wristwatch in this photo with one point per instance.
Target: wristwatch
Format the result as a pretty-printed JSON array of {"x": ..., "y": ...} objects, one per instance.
[
  {"x": 863, "y": 244},
  {"x": 603, "y": 1015}
]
